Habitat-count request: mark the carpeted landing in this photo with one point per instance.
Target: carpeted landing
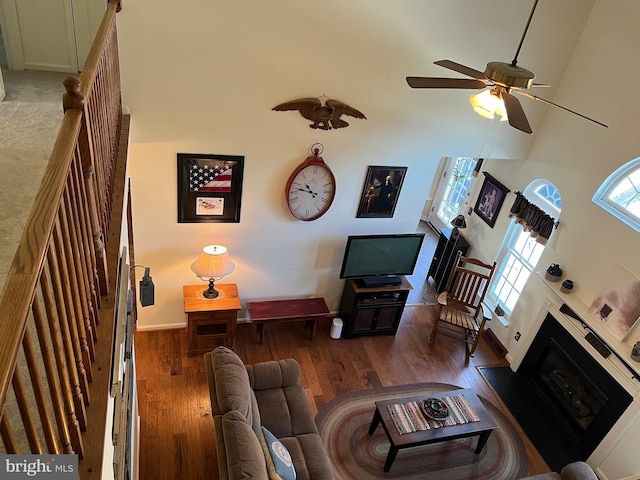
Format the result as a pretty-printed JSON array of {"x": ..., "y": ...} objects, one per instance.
[
  {"x": 30, "y": 118},
  {"x": 344, "y": 424}
]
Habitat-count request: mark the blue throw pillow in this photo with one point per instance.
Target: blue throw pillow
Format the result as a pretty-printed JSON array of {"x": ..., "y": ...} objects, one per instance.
[{"x": 279, "y": 463}]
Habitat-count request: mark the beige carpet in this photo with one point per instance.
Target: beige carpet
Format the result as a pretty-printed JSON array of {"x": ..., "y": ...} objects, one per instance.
[{"x": 30, "y": 118}]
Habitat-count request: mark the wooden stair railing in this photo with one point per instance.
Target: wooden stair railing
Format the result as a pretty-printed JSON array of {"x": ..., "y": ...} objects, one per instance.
[{"x": 56, "y": 302}]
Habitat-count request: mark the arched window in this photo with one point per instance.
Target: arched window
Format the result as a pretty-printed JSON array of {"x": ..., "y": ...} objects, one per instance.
[
  {"x": 520, "y": 252},
  {"x": 620, "y": 194}
]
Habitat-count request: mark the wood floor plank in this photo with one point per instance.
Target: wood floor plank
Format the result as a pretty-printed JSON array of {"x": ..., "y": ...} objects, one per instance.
[
  {"x": 177, "y": 435},
  {"x": 308, "y": 372}
]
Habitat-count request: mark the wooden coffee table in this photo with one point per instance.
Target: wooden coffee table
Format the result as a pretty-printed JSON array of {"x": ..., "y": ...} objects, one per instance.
[{"x": 482, "y": 428}]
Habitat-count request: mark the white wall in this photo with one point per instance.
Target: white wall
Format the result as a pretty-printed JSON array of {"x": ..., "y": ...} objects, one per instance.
[
  {"x": 577, "y": 156},
  {"x": 203, "y": 78}
]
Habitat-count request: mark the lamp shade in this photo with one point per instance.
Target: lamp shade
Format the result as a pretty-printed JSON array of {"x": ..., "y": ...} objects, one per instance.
[
  {"x": 214, "y": 262},
  {"x": 487, "y": 104},
  {"x": 459, "y": 222}
]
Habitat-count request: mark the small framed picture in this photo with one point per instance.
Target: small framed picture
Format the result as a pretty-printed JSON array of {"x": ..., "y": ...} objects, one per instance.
[
  {"x": 209, "y": 188},
  {"x": 380, "y": 191},
  {"x": 490, "y": 199}
]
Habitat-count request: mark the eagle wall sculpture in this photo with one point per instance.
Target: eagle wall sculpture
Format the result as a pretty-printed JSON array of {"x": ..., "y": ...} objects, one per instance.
[{"x": 324, "y": 117}]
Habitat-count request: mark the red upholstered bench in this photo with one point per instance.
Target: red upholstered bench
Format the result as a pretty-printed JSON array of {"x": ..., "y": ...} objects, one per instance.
[{"x": 271, "y": 311}]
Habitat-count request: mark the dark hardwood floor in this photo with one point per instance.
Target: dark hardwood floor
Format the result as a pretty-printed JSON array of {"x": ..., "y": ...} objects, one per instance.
[{"x": 177, "y": 436}]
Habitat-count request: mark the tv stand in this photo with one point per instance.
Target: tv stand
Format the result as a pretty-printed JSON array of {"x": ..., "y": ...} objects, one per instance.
[
  {"x": 380, "y": 281},
  {"x": 373, "y": 310}
]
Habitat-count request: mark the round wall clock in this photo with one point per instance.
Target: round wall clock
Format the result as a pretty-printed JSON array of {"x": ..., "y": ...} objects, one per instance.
[{"x": 310, "y": 188}]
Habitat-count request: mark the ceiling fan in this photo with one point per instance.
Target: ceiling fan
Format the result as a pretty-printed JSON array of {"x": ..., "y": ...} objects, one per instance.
[{"x": 504, "y": 79}]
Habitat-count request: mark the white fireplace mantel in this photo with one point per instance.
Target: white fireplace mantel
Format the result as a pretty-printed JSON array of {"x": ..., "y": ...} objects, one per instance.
[
  {"x": 616, "y": 457},
  {"x": 624, "y": 363}
]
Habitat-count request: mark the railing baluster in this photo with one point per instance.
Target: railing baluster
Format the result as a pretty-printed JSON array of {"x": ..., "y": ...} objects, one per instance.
[
  {"x": 61, "y": 296},
  {"x": 70, "y": 405},
  {"x": 38, "y": 390},
  {"x": 75, "y": 265},
  {"x": 74, "y": 99},
  {"x": 8, "y": 438},
  {"x": 25, "y": 412},
  {"x": 88, "y": 260},
  {"x": 98, "y": 251},
  {"x": 64, "y": 446}
]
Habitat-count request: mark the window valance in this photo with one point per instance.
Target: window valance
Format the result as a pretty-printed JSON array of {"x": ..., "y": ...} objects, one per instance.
[{"x": 532, "y": 218}]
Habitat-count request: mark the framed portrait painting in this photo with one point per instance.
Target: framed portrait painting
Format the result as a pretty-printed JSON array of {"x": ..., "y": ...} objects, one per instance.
[
  {"x": 209, "y": 188},
  {"x": 380, "y": 191},
  {"x": 490, "y": 199}
]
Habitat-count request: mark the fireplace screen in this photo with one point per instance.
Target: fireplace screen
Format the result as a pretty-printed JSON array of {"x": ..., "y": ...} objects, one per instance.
[
  {"x": 568, "y": 388},
  {"x": 575, "y": 392}
]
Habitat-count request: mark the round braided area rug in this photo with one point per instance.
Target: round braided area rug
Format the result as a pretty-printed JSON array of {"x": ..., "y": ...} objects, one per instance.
[{"x": 344, "y": 423}]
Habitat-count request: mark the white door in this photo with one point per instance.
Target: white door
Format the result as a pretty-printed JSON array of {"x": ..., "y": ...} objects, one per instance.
[
  {"x": 52, "y": 35},
  {"x": 87, "y": 16},
  {"x": 451, "y": 191}
]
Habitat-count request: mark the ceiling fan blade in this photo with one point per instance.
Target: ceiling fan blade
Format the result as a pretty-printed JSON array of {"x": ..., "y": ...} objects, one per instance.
[
  {"x": 433, "y": 82},
  {"x": 458, "y": 67},
  {"x": 535, "y": 97},
  {"x": 515, "y": 113}
]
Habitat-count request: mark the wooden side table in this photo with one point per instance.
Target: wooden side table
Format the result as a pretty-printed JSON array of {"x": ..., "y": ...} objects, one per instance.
[{"x": 210, "y": 319}]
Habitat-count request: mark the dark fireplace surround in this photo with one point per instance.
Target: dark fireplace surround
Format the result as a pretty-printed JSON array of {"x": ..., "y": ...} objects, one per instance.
[{"x": 572, "y": 389}]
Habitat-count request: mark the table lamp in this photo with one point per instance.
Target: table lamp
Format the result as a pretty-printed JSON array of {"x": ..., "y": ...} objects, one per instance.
[
  {"x": 458, "y": 222},
  {"x": 213, "y": 263}
]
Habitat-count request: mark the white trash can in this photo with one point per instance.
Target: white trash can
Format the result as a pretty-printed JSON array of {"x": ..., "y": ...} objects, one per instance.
[{"x": 336, "y": 328}]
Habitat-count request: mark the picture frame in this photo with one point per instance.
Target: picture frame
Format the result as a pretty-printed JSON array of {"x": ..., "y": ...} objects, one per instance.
[
  {"x": 490, "y": 199},
  {"x": 380, "y": 196},
  {"x": 209, "y": 188}
]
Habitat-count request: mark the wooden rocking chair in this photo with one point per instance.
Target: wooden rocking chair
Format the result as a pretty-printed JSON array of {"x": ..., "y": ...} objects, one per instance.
[{"x": 462, "y": 310}]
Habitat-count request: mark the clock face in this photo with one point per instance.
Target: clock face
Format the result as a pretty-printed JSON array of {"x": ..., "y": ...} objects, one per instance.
[{"x": 310, "y": 191}]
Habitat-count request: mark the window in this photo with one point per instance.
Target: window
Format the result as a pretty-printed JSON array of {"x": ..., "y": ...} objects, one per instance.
[
  {"x": 519, "y": 253},
  {"x": 620, "y": 194}
]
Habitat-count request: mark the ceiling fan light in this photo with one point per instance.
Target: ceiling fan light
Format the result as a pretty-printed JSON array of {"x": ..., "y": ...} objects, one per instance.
[
  {"x": 487, "y": 104},
  {"x": 500, "y": 110}
]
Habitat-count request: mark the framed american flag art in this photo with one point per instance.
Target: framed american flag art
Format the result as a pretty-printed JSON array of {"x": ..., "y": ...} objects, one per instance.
[{"x": 209, "y": 188}]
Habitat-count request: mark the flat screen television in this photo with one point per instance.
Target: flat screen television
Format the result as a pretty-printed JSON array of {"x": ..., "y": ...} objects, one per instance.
[{"x": 379, "y": 260}]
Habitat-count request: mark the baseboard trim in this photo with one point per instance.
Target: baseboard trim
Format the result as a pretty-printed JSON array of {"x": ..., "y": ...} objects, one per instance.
[
  {"x": 173, "y": 326},
  {"x": 495, "y": 343},
  {"x": 165, "y": 326}
]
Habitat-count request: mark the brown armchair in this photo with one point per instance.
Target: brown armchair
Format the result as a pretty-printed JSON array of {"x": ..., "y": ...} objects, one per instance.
[{"x": 462, "y": 311}]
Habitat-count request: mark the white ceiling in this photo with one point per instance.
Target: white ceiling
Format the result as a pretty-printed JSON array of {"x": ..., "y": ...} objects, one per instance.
[
  {"x": 357, "y": 51},
  {"x": 474, "y": 33}
]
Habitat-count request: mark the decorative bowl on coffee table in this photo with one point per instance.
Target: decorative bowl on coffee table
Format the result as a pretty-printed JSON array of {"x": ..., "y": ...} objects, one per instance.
[{"x": 435, "y": 409}]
